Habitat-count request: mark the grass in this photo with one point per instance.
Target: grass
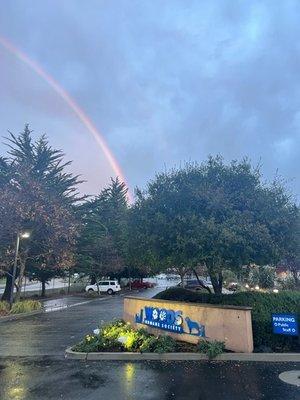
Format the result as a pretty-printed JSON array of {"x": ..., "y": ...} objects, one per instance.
[
  {"x": 19, "y": 307},
  {"x": 4, "y": 308}
]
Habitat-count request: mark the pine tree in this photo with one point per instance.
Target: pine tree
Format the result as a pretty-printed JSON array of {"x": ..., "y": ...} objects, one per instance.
[
  {"x": 102, "y": 246},
  {"x": 37, "y": 195}
]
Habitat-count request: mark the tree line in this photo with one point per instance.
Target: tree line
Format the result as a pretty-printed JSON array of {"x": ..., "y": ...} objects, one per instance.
[{"x": 215, "y": 215}]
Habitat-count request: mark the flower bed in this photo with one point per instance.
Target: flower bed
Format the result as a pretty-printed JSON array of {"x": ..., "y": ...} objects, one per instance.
[{"x": 120, "y": 336}]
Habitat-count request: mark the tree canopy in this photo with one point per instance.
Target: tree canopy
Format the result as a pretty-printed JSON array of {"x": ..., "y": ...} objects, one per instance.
[
  {"x": 102, "y": 245},
  {"x": 37, "y": 194},
  {"x": 217, "y": 214}
]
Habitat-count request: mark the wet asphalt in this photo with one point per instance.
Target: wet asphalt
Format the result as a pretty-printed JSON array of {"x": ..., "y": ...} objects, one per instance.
[
  {"x": 32, "y": 365},
  {"x": 50, "y": 378}
]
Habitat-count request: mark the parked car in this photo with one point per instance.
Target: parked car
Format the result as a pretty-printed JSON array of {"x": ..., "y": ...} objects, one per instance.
[
  {"x": 136, "y": 284},
  {"x": 109, "y": 287},
  {"x": 192, "y": 284},
  {"x": 233, "y": 286}
]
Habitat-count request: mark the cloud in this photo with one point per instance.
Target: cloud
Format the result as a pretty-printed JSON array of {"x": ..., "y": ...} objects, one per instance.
[{"x": 171, "y": 81}]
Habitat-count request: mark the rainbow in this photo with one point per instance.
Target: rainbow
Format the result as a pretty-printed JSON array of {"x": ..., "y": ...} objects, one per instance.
[{"x": 86, "y": 121}]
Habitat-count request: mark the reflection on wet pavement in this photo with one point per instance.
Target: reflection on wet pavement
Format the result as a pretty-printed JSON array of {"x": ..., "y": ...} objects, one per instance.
[
  {"x": 53, "y": 378},
  {"x": 64, "y": 302}
]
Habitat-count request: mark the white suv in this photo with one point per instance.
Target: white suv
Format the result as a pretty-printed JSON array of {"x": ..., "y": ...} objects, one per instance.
[{"x": 110, "y": 287}]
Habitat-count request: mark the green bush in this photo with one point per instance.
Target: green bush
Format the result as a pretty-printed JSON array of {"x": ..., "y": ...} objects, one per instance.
[
  {"x": 263, "y": 305},
  {"x": 120, "y": 336},
  {"x": 212, "y": 349},
  {"x": 25, "y": 306},
  {"x": 92, "y": 294},
  {"x": 264, "y": 276},
  {"x": 288, "y": 284},
  {"x": 158, "y": 344},
  {"x": 94, "y": 343},
  {"x": 4, "y": 307}
]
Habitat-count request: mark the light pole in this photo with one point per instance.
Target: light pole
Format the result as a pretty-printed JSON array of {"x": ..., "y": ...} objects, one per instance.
[{"x": 23, "y": 235}]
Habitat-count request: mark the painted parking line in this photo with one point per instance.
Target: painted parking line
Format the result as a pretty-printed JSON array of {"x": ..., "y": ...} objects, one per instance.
[{"x": 63, "y": 307}]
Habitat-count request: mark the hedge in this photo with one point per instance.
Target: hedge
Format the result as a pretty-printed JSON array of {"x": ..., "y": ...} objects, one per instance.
[{"x": 263, "y": 305}]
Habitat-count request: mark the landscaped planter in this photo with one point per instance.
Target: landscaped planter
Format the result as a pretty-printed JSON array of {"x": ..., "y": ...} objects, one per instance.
[
  {"x": 120, "y": 340},
  {"x": 190, "y": 322}
]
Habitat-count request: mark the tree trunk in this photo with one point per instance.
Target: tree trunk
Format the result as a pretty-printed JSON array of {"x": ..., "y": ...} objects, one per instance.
[
  {"x": 217, "y": 282},
  {"x": 43, "y": 282},
  {"x": 20, "y": 281},
  {"x": 69, "y": 281},
  {"x": 8, "y": 283},
  {"x": 7, "y": 290},
  {"x": 294, "y": 272},
  {"x": 182, "y": 278},
  {"x": 200, "y": 282}
]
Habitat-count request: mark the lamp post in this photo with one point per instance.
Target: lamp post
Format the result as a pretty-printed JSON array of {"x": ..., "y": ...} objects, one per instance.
[{"x": 23, "y": 235}]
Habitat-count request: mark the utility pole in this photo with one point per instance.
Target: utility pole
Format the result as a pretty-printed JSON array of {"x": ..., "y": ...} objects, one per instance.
[{"x": 24, "y": 235}]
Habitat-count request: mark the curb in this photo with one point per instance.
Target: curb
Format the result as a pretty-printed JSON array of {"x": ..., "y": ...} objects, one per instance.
[
  {"x": 258, "y": 357},
  {"x": 12, "y": 317}
]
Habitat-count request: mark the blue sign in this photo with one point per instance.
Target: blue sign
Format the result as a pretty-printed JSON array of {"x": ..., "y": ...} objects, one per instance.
[
  {"x": 285, "y": 324},
  {"x": 169, "y": 320}
]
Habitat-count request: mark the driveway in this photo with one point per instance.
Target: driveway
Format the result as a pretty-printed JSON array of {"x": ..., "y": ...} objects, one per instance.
[{"x": 32, "y": 364}]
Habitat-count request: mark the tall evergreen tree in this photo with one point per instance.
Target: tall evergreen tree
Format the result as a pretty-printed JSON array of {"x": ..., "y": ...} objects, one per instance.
[
  {"x": 102, "y": 246},
  {"x": 37, "y": 195}
]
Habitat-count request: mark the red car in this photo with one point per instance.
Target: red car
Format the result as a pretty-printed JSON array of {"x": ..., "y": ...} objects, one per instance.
[{"x": 141, "y": 285}]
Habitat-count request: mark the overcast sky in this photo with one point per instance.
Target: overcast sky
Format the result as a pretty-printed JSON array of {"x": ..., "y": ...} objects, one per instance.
[{"x": 164, "y": 81}]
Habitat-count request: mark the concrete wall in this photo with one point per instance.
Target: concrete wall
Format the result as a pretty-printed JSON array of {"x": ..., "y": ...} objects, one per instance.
[{"x": 229, "y": 324}]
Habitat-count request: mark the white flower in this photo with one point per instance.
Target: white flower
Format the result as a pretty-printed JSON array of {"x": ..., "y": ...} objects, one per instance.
[
  {"x": 96, "y": 331},
  {"x": 122, "y": 339}
]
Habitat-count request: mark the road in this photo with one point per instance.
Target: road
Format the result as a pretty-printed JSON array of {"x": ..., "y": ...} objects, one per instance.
[
  {"x": 32, "y": 365},
  {"x": 50, "y": 333},
  {"x": 37, "y": 286}
]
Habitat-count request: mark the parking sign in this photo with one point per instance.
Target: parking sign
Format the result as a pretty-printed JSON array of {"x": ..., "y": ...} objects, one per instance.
[{"x": 285, "y": 324}]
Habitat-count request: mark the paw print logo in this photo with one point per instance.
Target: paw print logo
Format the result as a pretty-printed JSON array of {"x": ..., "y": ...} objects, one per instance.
[
  {"x": 178, "y": 320},
  {"x": 163, "y": 315},
  {"x": 155, "y": 314}
]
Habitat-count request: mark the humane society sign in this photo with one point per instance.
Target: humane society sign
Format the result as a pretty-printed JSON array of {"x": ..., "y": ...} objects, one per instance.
[
  {"x": 169, "y": 320},
  {"x": 188, "y": 322}
]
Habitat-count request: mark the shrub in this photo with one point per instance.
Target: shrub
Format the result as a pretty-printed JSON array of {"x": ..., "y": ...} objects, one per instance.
[
  {"x": 264, "y": 276},
  {"x": 25, "y": 306},
  {"x": 179, "y": 294},
  {"x": 92, "y": 294},
  {"x": 4, "y": 307},
  {"x": 158, "y": 344},
  {"x": 120, "y": 336},
  {"x": 212, "y": 349},
  {"x": 164, "y": 344},
  {"x": 288, "y": 283},
  {"x": 94, "y": 343},
  {"x": 263, "y": 305}
]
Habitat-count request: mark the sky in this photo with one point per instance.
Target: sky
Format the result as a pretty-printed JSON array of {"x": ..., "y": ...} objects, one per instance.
[{"x": 163, "y": 81}]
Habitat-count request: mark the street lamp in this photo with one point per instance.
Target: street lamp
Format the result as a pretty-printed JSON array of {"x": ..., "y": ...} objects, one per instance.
[
  {"x": 25, "y": 235},
  {"x": 20, "y": 235}
]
